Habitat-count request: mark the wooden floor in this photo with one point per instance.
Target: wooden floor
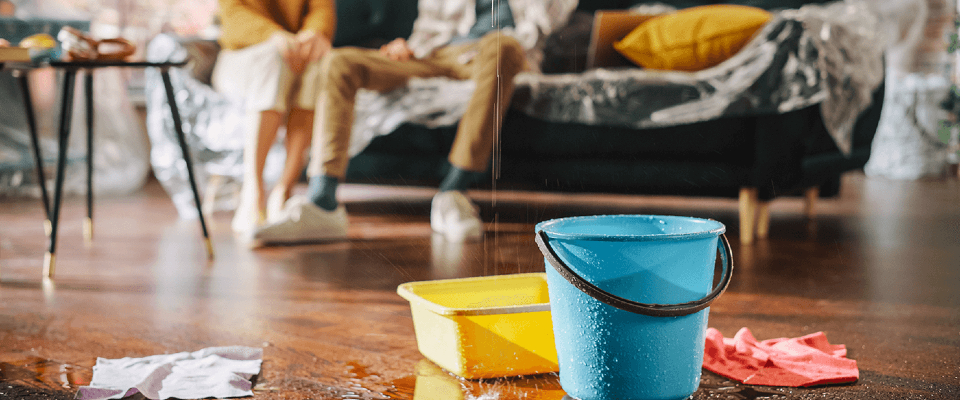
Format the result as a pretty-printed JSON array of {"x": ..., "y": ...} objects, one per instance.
[{"x": 878, "y": 270}]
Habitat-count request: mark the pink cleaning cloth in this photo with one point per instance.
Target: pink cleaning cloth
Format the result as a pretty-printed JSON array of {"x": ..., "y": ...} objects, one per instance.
[{"x": 795, "y": 362}]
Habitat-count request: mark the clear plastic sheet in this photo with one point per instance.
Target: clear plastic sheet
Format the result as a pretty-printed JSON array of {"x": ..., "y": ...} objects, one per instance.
[
  {"x": 818, "y": 54},
  {"x": 211, "y": 124},
  {"x": 431, "y": 102},
  {"x": 120, "y": 145},
  {"x": 907, "y": 146}
]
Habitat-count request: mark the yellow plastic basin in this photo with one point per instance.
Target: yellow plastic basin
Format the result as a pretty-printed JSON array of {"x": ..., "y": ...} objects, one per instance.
[{"x": 484, "y": 327}]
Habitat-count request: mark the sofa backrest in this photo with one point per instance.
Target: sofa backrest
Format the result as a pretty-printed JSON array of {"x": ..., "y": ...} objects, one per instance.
[
  {"x": 593, "y": 5},
  {"x": 370, "y": 23}
]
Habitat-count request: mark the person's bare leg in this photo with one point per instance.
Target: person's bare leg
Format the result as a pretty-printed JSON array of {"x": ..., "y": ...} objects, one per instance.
[
  {"x": 340, "y": 74},
  {"x": 259, "y": 139},
  {"x": 299, "y": 134}
]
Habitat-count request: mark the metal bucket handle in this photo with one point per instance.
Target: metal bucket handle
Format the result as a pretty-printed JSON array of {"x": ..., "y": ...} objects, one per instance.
[{"x": 653, "y": 310}]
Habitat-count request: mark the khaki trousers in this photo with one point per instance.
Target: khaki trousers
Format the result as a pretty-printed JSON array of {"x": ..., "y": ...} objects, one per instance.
[{"x": 492, "y": 62}]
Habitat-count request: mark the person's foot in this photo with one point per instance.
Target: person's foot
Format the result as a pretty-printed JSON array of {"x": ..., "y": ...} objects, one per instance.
[
  {"x": 455, "y": 217},
  {"x": 303, "y": 221},
  {"x": 246, "y": 218},
  {"x": 275, "y": 202}
]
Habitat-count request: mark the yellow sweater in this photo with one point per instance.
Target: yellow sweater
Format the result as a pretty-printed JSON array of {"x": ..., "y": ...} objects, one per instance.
[{"x": 248, "y": 22}]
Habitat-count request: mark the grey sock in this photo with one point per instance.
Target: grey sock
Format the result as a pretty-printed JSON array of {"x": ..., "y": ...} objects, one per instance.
[
  {"x": 322, "y": 191},
  {"x": 459, "y": 179}
]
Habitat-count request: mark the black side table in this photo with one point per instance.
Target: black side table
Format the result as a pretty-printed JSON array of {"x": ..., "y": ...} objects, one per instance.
[{"x": 70, "y": 69}]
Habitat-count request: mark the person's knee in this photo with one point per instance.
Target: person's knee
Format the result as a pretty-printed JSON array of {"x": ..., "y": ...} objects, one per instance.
[
  {"x": 340, "y": 60},
  {"x": 342, "y": 66},
  {"x": 505, "y": 48}
]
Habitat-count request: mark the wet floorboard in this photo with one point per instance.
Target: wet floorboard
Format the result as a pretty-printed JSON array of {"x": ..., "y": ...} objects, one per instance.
[{"x": 877, "y": 270}]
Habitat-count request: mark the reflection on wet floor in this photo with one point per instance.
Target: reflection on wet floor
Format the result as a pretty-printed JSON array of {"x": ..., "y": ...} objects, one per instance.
[
  {"x": 433, "y": 383},
  {"x": 716, "y": 387},
  {"x": 34, "y": 377},
  {"x": 357, "y": 371}
]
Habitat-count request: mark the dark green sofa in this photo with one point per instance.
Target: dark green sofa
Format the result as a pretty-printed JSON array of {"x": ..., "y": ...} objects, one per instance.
[{"x": 757, "y": 157}]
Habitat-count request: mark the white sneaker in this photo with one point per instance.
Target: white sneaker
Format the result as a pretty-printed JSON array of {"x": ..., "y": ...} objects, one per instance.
[
  {"x": 454, "y": 216},
  {"x": 303, "y": 221},
  {"x": 246, "y": 219},
  {"x": 275, "y": 204}
]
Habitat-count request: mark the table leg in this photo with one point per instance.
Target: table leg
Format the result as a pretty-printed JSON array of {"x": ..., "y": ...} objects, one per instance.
[
  {"x": 178, "y": 128},
  {"x": 88, "y": 91},
  {"x": 35, "y": 141},
  {"x": 66, "y": 110}
]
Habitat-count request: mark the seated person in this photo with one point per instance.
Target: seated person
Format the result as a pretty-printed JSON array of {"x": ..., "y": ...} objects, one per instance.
[
  {"x": 270, "y": 50},
  {"x": 457, "y": 39},
  {"x": 7, "y": 9}
]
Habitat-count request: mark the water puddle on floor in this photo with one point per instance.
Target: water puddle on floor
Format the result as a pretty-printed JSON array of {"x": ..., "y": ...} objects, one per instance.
[
  {"x": 357, "y": 370},
  {"x": 41, "y": 373},
  {"x": 431, "y": 382},
  {"x": 404, "y": 388},
  {"x": 716, "y": 387}
]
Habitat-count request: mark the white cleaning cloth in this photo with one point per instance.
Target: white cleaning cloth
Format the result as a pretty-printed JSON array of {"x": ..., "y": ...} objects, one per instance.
[{"x": 211, "y": 372}]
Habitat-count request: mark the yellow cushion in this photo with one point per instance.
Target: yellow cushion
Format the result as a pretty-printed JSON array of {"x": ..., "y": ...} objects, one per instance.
[{"x": 692, "y": 39}]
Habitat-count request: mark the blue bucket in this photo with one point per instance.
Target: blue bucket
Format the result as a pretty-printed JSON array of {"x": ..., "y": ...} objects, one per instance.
[{"x": 629, "y": 298}]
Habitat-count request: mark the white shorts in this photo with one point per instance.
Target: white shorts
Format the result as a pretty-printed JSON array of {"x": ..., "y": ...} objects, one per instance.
[{"x": 258, "y": 76}]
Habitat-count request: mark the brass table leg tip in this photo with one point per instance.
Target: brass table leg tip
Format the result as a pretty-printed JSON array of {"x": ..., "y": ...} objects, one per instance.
[
  {"x": 209, "y": 244},
  {"x": 47, "y": 227},
  {"x": 49, "y": 264},
  {"x": 88, "y": 230}
]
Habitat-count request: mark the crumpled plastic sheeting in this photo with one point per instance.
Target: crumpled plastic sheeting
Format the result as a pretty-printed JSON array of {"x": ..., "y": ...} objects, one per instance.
[
  {"x": 120, "y": 147},
  {"x": 212, "y": 124},
  {"x": 907, "y": 146},
  {"x": 846, "y": 35},
  {"x": 818, "y": 54},
  {"x": 431, "y": 102}
]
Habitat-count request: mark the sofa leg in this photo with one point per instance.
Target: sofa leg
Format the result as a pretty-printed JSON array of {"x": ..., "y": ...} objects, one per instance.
[
  {"x": 748, "y": 214},
  {"x": 763, "y": 219},
  {"x": 810, "y": 202}
]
